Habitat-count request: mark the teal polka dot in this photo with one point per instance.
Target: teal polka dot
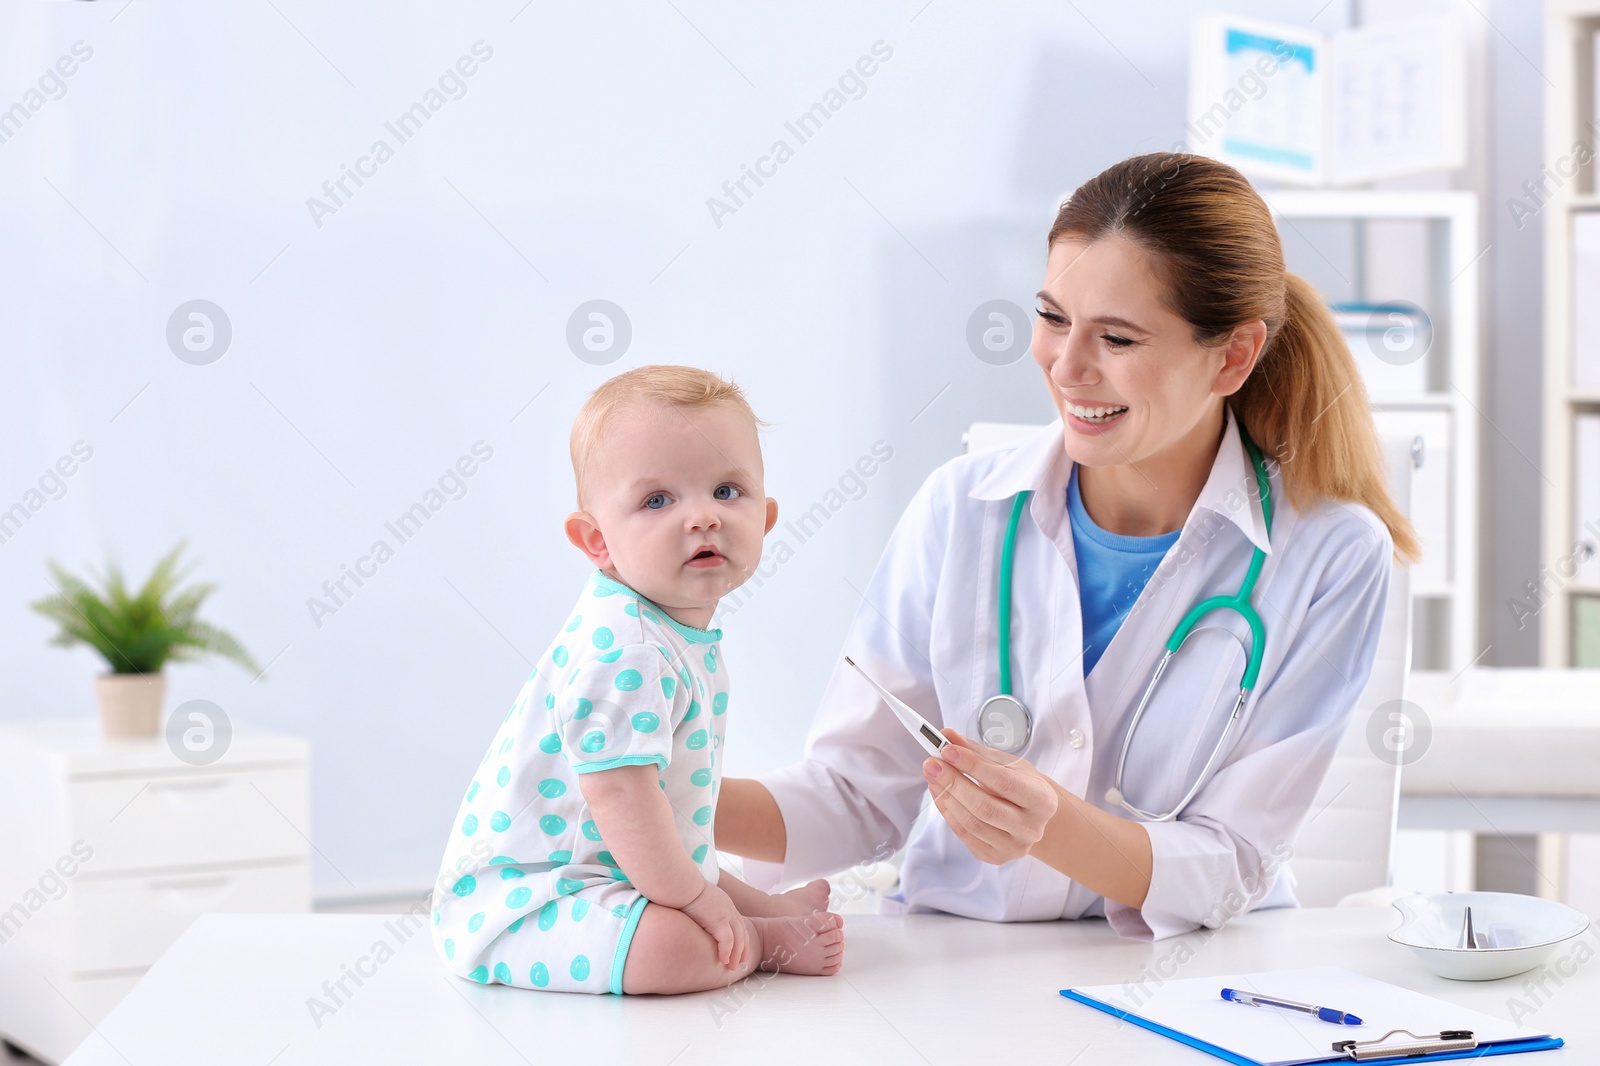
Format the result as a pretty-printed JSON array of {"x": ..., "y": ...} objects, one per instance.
[
  {"x": 618, "y": 875},
  {"x": 701, "y": 777},
  {"x": 577, "y": 620},
  {"x": 449, "y": 948},
  {"x": 499, "y": 821},
  {"x": 699, "y": 854},
  {"x": 475, "y": 922},
  {"x": 539, "y": 975},
  {"x": 514, "y": 926},
  {"x": 435, "y": 917},
  {"x": 645, "y": 722},
  {"x": 694, "y": 711},
  {"x": 553, "y": 824},
  {"x": 480, "y": 975},
  {"x": 566, "y": 886},
  {"x": 668, "y": 687},
  {"x": 584, "y": 707},
  {"x": 580, "y": 968},
  {"x": 501, "y": 860},
  {"x": 551, "y": 788},
  {"x": 602, "y": 638},
  {"x": 592, "y": 741},
  {"x": 502, "y": 973},
  {"x": 549, "y": 701},
  {"x": 503, "y": 778},
  {"x": 580, "y": 907},
  {"x": 469, "y": 824},
  {"x": 510, "y": 873},
  {"x": 629, "y": 680},
  {"x": 563, "y": 856},
  {"x": 609, "y": 656},
  {"x": 711, "y": 661},
  {"x": 702, "y": 816},
  {"x": 548, "y": 914},
  {"x": 472, "y": 790},
  {"x": 465, "y": 886},
  {"x": 683, "y": 675},
  {"x": 602, "y": 591},
  {"x": 697, "y": 740},
  {"x": 656, "y": 618},
  {"x": 560, "y": 655},
  {"x": 518, "y": 897},
  {"x": 591, "y": 831},
  {"x": 719, "y": 703},
  {"x": 606, "y": 859},
  {"x": 550, "y": 744},
  {"x": 631, "y": 609},
  {"x": 619, "y": 911}
]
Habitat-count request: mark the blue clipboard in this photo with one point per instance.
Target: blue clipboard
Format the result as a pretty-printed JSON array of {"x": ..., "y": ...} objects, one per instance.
[{"x": 1509, "y": 1047}]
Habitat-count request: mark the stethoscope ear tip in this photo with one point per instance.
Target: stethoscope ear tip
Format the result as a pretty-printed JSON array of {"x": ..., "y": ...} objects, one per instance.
[{"x": 1114, "y": 796}]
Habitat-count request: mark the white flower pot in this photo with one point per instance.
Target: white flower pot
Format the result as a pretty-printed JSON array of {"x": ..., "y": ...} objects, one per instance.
[{"x": 130, "y": 704}]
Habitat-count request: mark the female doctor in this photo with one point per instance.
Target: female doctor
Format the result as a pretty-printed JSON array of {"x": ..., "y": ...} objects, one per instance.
[{"x": 1214, "y": 441}]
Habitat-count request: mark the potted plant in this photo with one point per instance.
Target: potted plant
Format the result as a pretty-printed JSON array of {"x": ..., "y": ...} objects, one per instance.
[{"x": 137, "y": 634}]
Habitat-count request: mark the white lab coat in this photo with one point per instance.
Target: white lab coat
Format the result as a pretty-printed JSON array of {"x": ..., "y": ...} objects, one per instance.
[{"x": 927, "y": 630}]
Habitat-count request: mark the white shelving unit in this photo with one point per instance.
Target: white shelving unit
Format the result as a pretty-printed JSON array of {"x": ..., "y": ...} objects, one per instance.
[
  {"x": 1570, "y": 114},
  {"x": 1442, "y": 406}
]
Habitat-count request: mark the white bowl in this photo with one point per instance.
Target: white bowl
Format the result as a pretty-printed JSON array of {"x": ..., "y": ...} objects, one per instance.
[{"x": 1521, "y": 931}]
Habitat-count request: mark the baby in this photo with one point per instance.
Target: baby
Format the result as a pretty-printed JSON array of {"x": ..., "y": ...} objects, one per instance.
[{"x": 597, "y": 797}]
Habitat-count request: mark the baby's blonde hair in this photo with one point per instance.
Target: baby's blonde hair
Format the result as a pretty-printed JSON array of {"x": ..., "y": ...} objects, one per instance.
[{"x": 675, "y": 386}]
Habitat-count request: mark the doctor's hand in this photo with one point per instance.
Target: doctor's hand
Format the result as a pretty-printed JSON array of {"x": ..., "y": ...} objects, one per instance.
[{"x": 998, "y": 804}]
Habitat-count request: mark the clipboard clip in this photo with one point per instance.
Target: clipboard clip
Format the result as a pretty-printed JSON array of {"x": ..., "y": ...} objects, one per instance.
[{"x": 1447, "y": 1040}]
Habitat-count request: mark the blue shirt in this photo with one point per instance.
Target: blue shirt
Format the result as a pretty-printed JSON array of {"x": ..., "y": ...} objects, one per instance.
[{"x": 1112, "y": 570}]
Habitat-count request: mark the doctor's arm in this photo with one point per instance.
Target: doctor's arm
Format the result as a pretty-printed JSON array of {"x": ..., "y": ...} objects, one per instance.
[{"x": 749, "y": 822}]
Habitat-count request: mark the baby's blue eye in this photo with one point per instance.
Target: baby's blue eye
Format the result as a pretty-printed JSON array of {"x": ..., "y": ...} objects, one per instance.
[
  {"x": 655, "y": 496},
  {"x": 717, "y": 493}
]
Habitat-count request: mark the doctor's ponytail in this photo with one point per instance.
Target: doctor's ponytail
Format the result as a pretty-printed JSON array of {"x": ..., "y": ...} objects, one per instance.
[{"x": 1216, "y": 250}]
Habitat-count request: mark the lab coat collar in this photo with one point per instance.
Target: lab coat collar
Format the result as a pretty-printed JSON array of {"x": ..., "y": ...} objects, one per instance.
[{"x": 1230, "y": 492}]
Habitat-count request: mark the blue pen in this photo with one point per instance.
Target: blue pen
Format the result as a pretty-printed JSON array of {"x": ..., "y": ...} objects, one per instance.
[{"x": 1327, "y": 1014}]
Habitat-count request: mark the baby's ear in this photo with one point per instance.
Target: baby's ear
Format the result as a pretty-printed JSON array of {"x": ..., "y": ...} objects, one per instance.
[
  {"x": 585, "y": 534},
  {"x": 772, "y": 513}
]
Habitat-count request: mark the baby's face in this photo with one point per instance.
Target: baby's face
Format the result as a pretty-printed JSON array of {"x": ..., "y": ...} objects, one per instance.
[{"x": 677, "y": 508}]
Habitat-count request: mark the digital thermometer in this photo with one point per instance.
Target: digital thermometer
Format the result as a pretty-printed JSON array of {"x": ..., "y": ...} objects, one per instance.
[{"x": 932, "y": 741}]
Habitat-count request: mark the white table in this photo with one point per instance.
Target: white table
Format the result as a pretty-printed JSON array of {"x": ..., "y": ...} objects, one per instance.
[{"x": 916, "y": 989}]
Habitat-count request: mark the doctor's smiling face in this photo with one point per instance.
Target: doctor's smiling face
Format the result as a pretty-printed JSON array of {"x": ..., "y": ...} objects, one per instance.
[
  {"x": 1140, "y": 397},
  {"x": 675, "y": 505}
]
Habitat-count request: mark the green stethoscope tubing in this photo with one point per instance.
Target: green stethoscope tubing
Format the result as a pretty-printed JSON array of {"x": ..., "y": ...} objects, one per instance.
[{"x": 1239, "y": 602}]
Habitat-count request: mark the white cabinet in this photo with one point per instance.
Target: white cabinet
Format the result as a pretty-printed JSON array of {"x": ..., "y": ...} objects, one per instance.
[{"x": 110, "y": 848}]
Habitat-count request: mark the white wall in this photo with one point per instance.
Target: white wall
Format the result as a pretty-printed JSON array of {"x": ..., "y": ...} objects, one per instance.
[{"x": 430, "y": 308}]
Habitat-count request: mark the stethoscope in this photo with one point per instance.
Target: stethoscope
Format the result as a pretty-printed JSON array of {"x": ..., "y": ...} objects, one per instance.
[{"x": 1004, "y": 721}]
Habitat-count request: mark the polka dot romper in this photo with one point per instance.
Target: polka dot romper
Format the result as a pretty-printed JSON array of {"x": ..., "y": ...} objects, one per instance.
[{"x": 528, "y": 895}]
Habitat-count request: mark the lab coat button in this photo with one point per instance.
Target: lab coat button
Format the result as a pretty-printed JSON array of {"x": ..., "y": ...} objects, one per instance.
[{"x": 1075, "y": 738}]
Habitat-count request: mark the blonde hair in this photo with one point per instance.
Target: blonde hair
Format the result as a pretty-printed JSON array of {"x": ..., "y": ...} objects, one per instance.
[
  {"x": 1217, "y": 252},
  {"x": 673, "y": 386}
]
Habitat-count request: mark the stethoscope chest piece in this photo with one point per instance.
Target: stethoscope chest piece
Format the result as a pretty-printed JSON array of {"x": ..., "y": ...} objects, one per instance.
[{"x": 1004, "y": 723}]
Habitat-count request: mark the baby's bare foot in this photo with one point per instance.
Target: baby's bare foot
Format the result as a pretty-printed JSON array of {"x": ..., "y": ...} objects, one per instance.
[
  {"x": 799, "y": 902},
  {"x": 812, "y": 945}
]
